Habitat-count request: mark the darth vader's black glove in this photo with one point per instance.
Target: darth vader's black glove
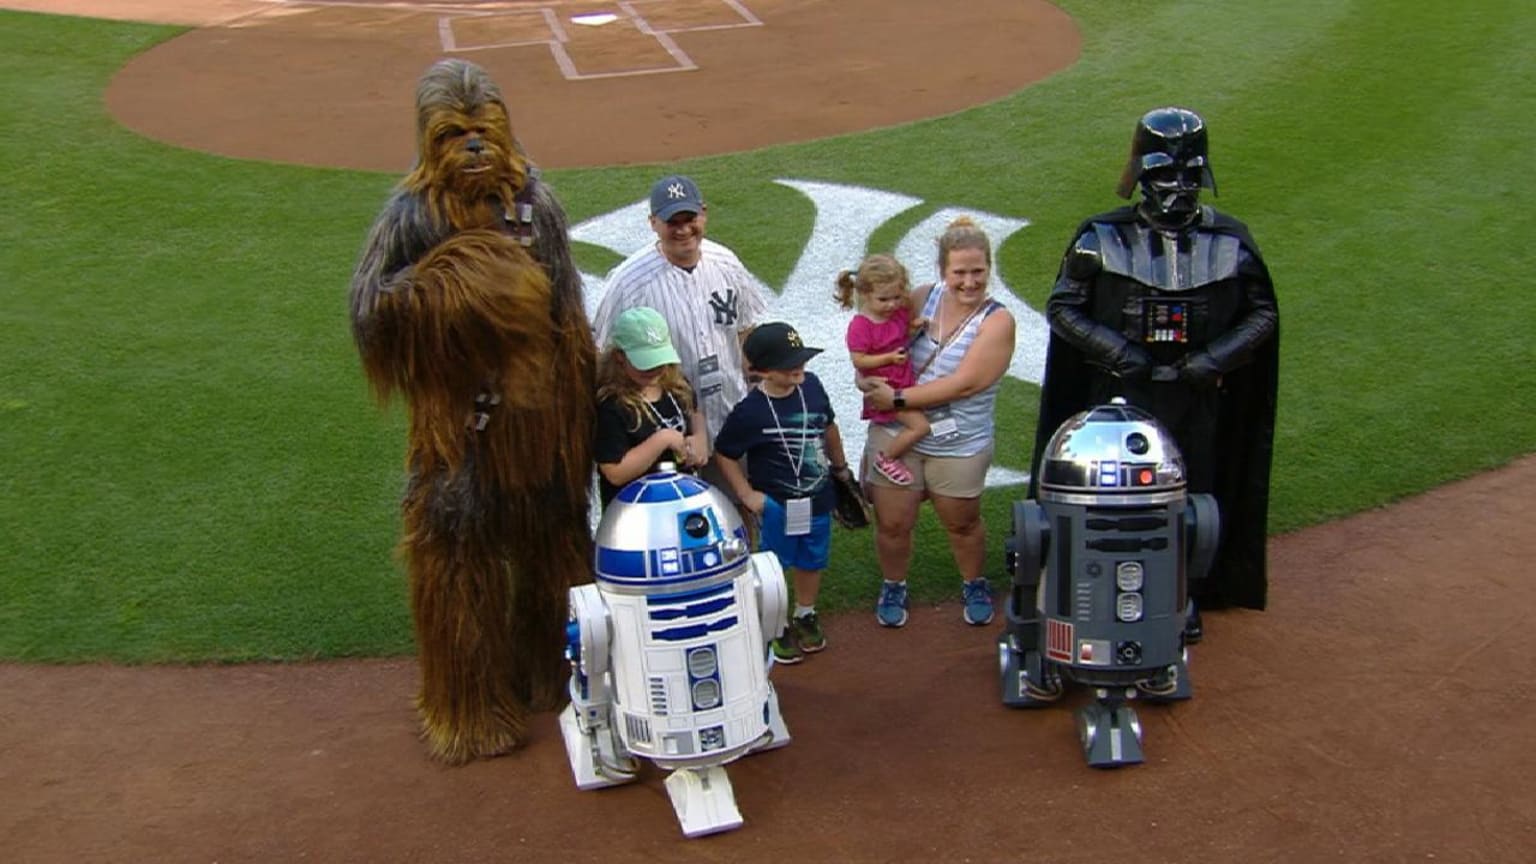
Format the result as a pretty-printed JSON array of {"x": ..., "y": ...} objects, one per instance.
[
  {"x": 1131, "y": 362},
  {"x": 1200, "y": 369}
]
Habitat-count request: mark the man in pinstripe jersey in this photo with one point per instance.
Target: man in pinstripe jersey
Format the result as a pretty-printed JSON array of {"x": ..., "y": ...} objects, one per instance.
[{"x": 708, "y": 298}]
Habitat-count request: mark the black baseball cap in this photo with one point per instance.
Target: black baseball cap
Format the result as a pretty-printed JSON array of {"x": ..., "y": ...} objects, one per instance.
[{"x": 776, "y": 346}]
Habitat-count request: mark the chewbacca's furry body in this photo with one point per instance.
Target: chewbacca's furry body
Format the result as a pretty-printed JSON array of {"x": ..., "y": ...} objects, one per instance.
[{"x": 447, "y": 307}]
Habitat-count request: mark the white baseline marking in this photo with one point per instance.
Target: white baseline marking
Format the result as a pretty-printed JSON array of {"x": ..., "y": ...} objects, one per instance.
[
  {"x": 683, "y": 60},
  {"x": 556, "y": 45},
  {"x": 744, "y": 12}
]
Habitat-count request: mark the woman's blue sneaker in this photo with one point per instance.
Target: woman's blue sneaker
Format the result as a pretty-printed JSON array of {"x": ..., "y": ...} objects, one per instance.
[
  {"x": 978, "y": 601},
  {"x": 891, "y": 611}
]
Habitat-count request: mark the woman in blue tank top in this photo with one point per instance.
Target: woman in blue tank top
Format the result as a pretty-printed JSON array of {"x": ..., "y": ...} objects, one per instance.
[{"x": 961, "y": 358}]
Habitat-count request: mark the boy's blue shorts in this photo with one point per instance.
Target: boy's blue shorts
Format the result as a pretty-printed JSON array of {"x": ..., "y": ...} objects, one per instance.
[{"x": 805, "y": 552}]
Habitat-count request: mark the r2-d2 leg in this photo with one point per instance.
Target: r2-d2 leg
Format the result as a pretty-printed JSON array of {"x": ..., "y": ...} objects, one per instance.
[
  {"x": 598, "y": 758},
  {"x": 703, "y": 800},
  {"x": 773, "y": 612}
]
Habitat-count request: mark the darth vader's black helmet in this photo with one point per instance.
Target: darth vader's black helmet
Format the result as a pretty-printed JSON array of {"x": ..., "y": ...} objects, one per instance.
[{"x": 1169, "y": 160}]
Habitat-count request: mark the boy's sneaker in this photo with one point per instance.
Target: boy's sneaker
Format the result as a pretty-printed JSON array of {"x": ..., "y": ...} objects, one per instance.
[
  {"x": 808, "y": 633},
  {"x": 978, "y": 601},
  {"x": 785, "y": 648},
  {"x": 891, "y": 610}
]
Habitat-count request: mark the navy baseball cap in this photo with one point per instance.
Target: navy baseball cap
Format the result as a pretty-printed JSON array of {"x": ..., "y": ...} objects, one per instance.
[
  {"x": 675, "y": 194},
  {"x": 776, "y": 346}
]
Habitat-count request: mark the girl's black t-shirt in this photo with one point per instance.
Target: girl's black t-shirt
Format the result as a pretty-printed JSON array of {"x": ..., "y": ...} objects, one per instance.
[{"x": 617, "y": 433}]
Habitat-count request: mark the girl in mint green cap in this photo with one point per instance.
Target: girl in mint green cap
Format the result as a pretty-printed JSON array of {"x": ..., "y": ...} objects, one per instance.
[{"x": 646, "y": 413}]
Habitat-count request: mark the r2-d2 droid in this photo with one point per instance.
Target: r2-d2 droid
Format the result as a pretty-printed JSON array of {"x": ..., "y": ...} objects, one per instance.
[
  {"x": 668, "y": 648},
  {"x": 1115, "y": 538}
]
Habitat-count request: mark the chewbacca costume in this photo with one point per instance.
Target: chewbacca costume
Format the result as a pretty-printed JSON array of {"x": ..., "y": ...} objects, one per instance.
[{"x": 466, "y": 302}]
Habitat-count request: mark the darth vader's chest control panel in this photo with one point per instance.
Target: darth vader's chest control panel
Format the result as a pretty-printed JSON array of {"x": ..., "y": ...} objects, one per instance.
[{"x": 1165, "y": 320}]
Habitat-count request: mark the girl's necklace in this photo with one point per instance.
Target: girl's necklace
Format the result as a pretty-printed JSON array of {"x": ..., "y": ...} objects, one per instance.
[{"x": 664, "y": 422}]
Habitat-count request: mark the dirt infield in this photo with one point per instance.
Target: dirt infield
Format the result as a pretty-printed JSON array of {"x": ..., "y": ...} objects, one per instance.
[
  {"x": 330, "y": 83},
  {"x": 1378, "y": 712}
]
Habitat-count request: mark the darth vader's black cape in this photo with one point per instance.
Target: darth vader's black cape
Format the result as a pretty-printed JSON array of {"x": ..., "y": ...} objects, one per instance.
[{"x": 1246, "y": 425}]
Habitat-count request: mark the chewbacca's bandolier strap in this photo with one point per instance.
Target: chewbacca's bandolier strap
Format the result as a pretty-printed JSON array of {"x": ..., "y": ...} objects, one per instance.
[
  {"x": 520, "y": 215},
  {"x": 485, "y": 403}
]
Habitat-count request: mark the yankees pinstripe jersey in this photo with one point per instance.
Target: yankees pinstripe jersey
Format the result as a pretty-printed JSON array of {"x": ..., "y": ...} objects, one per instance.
[{"x": 706, "y": 309}]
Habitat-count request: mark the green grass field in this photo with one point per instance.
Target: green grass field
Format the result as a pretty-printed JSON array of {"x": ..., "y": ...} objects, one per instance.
[{"x": 191, "y": 467}]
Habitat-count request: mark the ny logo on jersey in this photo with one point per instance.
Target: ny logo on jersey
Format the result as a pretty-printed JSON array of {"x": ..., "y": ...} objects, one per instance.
[{"x": 725, "y": 308}]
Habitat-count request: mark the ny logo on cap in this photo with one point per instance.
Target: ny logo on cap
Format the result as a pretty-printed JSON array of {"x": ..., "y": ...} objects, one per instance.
[
  {"x": 794, "y": 339},
  {"x": 652, "y": 336},
  {"x": 676, "y": 191}
]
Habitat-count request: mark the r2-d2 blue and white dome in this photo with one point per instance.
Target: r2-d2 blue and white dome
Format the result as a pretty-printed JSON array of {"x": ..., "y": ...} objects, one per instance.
[{"x": 669, "y": 648}]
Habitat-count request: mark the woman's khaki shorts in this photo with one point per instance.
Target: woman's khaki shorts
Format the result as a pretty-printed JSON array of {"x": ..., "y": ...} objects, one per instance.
[{"x": 950, "y": 476}]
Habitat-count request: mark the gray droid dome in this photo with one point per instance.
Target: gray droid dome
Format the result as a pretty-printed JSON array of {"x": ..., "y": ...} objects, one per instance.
[{"x": 1110, "y": 448}]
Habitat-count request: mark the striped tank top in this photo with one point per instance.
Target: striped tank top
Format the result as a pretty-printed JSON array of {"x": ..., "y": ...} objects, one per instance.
[{"x": 973, "y": 414}]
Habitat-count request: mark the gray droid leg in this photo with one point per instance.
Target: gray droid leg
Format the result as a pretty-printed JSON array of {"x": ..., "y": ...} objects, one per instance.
[
  {"x": 1194, "y": 625},
  {"x": 1027, "y": 680},
  {"x": 1109, "y": 731},
  {"x": 1203, "y": 535},
  {"x": 1171, "y": 684}
]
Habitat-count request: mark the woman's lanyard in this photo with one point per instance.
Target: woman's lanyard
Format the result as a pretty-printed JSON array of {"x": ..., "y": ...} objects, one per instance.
[
  {"x": 805, "y": 433},
  {"x": 950, "y": 340}
]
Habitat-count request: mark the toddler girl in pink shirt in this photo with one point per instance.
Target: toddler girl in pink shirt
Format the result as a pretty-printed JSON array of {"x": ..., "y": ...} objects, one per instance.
[{"x": 882, "y": 326}]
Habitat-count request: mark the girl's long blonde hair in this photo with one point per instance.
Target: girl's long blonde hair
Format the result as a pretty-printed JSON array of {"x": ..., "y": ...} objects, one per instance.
[
  {"x": 614, "y": 381},
  {"x": 874, "y": 271}
]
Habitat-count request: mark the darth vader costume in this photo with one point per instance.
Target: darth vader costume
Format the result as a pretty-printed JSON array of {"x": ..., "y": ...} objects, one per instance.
[{"x": 1168, "y": 303}]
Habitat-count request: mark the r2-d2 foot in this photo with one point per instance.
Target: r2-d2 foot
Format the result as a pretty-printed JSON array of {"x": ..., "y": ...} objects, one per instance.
[{"x": 668, "y": 649}]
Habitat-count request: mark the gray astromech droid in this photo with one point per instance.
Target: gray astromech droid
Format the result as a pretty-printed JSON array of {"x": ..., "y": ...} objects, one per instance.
[
  {"x": 669, "y": 651},
  {"x": 1099, "y": 564}
]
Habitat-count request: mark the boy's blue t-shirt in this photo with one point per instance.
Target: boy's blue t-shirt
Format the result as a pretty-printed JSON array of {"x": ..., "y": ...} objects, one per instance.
[{"x": 784, "y": 441}]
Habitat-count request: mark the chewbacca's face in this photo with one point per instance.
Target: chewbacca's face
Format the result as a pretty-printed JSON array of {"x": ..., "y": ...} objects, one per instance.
[{"x": 472, "y": 151}]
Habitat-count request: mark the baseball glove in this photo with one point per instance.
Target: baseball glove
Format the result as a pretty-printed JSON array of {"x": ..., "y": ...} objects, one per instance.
[{"x": 852, "y": 510}]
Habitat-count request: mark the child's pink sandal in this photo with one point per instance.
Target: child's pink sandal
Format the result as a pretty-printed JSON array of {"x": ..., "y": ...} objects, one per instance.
[{"x": 893, "y": 470}]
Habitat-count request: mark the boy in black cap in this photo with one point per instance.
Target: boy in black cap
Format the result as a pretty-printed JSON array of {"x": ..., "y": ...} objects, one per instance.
[{"x": 787, "y": 430}]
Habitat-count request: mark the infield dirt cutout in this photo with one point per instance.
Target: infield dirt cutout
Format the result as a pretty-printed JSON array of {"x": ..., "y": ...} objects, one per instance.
[
  {"x": 331, "y": 84},
  {"x": 1378, "y": 712}
]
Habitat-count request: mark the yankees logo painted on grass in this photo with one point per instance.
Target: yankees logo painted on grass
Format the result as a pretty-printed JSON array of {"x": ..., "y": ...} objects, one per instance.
[{"x": 846, "y": 217}]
